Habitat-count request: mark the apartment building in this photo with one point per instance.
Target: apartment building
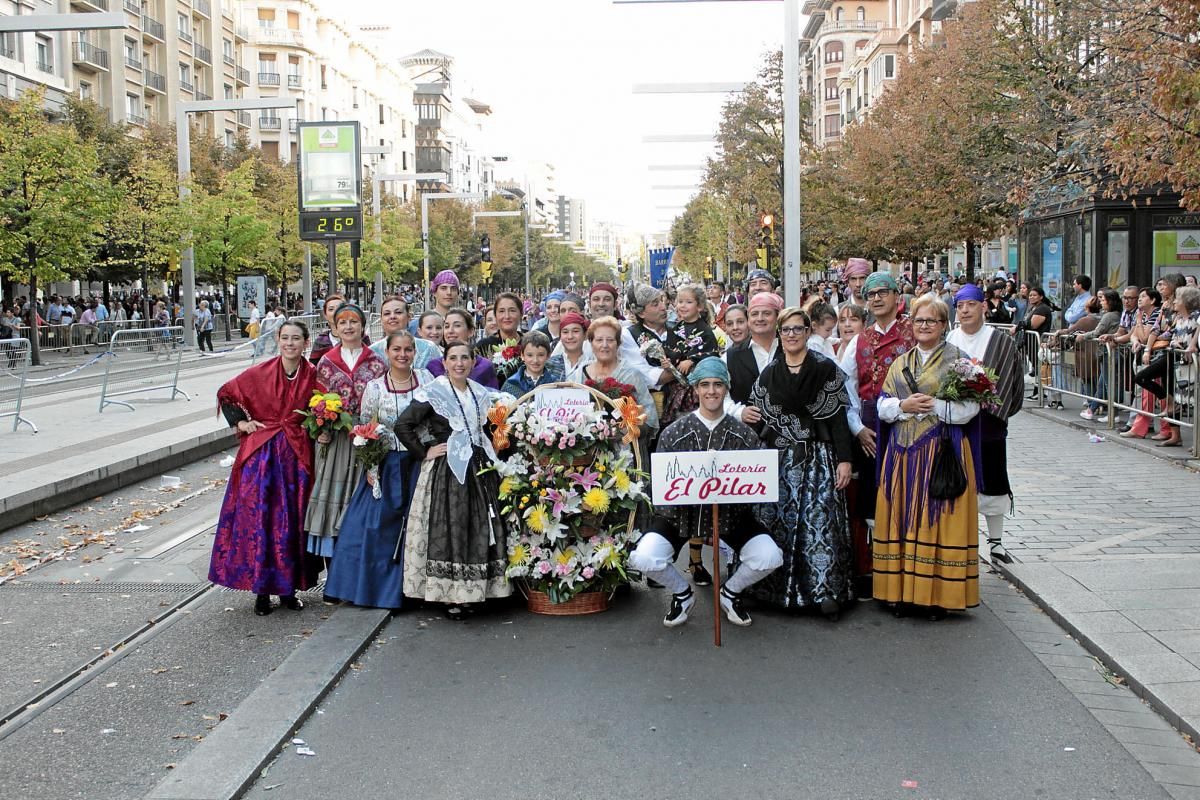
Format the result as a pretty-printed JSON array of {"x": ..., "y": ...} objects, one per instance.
[
  {"x": 31, "y": 60},
  {"x": 837, "y": 33}
]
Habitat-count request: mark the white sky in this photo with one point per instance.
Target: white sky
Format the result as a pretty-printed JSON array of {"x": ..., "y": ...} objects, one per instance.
[{"x": 558, "y": 75}]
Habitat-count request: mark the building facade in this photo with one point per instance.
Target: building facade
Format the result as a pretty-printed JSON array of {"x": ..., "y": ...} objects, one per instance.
[{"x": 36, "y": 60}]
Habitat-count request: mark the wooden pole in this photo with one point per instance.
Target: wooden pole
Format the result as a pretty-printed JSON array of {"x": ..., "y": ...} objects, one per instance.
[{"x": 716, "y": 549}]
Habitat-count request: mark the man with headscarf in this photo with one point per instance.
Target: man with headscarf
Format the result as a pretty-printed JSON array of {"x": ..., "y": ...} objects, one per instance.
[
  {"x": 748, "y": 359},
  {"x": 444, "y": 291},
  {"x": 997, "y": 351},
  {"x": 855, "y": 275},
  {"x": 648, "y": 307},
  {"x": 866, "y": 360},
  {"x": 709, "y": 427},
  {"x": 758, "y": 281},
  {"x": 602, "y": 301}
]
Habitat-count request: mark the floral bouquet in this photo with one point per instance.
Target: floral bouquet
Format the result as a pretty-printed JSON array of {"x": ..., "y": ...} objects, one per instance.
[
  {"x": 325, "y": 413},
  {"x": 610, "y": 388},
  {"x": 370, "y": 449},
  {"x": 559, "y": 440},
  {"x": 569, "y": 525},
  {"x": 506, "y": 358},
  {"x": 970, "y": 380},
  {"x": 655, "y": 355}
]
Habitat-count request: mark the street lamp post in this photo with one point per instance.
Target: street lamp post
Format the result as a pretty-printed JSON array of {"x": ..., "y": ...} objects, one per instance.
[
  {"x": 525, "y": 209},
  {"x": 376, "y": 210},
  {"x": 425, "y": 200},
  {"x": 183, "y": 143}
]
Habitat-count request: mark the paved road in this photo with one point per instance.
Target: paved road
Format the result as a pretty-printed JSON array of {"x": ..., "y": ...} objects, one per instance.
[{"x": 616, "y": 706}]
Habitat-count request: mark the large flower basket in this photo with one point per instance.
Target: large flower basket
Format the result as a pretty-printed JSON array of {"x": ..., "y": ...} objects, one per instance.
[{"x": 570, "y": 490}]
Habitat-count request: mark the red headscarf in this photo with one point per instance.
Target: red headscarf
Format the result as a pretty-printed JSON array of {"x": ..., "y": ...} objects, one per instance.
[{"x": 269, "y": 398}]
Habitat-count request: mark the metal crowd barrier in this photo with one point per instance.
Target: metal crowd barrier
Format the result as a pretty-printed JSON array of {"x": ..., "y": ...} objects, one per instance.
[
  {"x": 142, "y": 360},
  {"x": 14, "y": 370},
  {"x": 1102, "y": 375}
]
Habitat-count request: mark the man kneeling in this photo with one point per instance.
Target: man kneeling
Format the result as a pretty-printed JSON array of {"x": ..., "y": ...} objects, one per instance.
[{"x": 706, "y": 428}]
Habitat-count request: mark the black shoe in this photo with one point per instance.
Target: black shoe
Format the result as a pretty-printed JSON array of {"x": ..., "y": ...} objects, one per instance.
[
  {"x": 831, "y": 610},
  {"x": 330, "y": 600},
  {"x": 262, "y": 605},
  {"x": 998, "y": 553},
  {"x": 653, "y": 584},
  {"x": 731, "y": 604},
  {"x": 935, "y": 614},
  {"x": 700, "y": 575},
  {"x": 292, "y": 602},
  {"x": 681, "y": 604}
]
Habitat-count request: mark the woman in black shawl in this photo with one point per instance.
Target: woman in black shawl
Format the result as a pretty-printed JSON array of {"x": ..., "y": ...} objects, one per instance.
[{"x": 803, "y": 400}]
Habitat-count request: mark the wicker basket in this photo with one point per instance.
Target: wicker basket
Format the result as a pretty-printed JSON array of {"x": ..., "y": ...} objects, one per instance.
[{"x": 580, "y": 604}]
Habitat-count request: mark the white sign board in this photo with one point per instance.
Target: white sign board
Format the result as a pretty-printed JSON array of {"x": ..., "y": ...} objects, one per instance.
[
  {"x": 562, "y": 405},
  {"x": 251, "y": 287},
  {"x": 715, "y": 476}
]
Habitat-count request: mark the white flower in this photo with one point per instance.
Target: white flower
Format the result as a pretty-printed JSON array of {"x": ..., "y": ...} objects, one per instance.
[{"x": 359, "y": 441}]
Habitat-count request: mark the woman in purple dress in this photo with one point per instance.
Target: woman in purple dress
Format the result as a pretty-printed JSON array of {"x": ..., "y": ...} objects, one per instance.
[
  {"x": 460, "y": 327},
  {"x": 259, "y": 544}
]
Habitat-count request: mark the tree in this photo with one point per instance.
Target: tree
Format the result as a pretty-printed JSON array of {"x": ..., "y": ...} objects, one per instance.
[
  {"x": 52, "y": 200},
  {"x": 227, "y": 232},
  {"x": 145, "y": 228},
  {"x": 282, "y": 252}
]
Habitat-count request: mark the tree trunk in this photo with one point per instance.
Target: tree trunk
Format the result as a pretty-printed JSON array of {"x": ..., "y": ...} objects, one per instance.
[
  {"x": 970, "y": 260},
  {"x": 225, "y": 302},
  {"x": 35, "y": 352}
]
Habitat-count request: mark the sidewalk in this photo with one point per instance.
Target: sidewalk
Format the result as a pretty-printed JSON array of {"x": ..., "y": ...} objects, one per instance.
[
  {"x": 1107, "y": 542},
  {"x": 80, "y": 453}
]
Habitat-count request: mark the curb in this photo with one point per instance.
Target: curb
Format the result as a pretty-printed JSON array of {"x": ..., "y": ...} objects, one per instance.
[
  {"x": 1190, "y": 464},
  {"x": 68, "y": 491},
  {"x": 231, "y": 759},
  {"x": 1141, "y": 690}
]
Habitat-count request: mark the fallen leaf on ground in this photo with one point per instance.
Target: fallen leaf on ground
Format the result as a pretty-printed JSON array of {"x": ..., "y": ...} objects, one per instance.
[{"x": 187, "y": 702}]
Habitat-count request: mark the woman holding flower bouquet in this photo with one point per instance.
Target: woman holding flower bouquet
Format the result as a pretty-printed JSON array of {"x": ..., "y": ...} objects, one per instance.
[
  {"x": 345, "y": 370},
  {"x": 504, "y": 348},
  {"x": 455, "y": 544},
  {"x": 364, "y": 572},
  {"x": 259, "y": 546},
  {"x": 925, "y": 550}
]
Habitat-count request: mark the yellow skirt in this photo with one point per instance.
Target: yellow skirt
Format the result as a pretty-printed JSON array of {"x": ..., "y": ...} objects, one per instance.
[{"x": 933, "y": 564}]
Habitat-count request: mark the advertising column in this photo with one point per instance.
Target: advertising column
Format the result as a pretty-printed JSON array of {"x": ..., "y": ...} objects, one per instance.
[{"x": 330, "y": 185}]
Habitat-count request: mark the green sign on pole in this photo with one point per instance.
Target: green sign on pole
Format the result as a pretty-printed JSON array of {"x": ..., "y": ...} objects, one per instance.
[{"x": 330, "y": 181}]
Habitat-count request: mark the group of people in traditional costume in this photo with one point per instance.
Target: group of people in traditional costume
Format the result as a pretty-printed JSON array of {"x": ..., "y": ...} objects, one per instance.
[{"x": 845, "y": 394}]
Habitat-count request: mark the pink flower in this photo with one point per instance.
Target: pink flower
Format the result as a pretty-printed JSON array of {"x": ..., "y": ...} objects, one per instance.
[
  {"x": 562, "y": 444},
  {"x": 543, "y": 567},
  {"x": 588, "y": 573},
  {"x": 562, "y": 569}
]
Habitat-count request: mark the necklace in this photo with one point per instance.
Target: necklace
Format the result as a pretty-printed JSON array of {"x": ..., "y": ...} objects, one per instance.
[
  {"x": 463, "y": 411},
  {"x": 395, "y": 393},
  {"x": 286, "y": 376}
]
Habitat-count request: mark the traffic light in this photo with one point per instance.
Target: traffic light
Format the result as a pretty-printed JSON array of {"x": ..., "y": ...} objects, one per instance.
[
  {"x": 708, "y": 264},
  {"x": 622, "y": 268},
  {"x": 485, "y": 248},
  {"x": 766, "y": 234},
  {"x": 485, "y": 268}
]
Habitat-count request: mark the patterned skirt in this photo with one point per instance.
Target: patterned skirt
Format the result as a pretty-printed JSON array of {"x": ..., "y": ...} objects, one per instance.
[
  {"x": 335, "y": 474},
  {"x": 455, "y": 545},
  {"x": 259, "y": 546},
  {"x": 809, "y": 524}
]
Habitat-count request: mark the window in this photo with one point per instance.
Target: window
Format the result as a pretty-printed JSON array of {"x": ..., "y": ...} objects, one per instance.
[
  {"x": 831, "y": 89},
  {"x": 381, "y": 119},
  {"x": 839, "y": 13},
  {"x": 266, "y": 63},
  {"x": 228, "y": 92},
  {"x": 266, "y": 18},
  {"x": 185, "y": 73},
  {"x": 227, "y": 48},
  {"x": 230, "y": 139},
  {"x": 861, "y": 14},
  {"x": 403, "y": 129},
  {"x": 185, "y": 26},
  {"x": 404, "y": 161},
  {"x": 833, "y": 126},
  {"x": 833, "y": 53},
  {"x": 133, "y": 105},
  {"x": 45, "y": 54},
  {"x": 861, "y": 44},
  {"x": 131, "y": 50},
  {"x": 293, "y": 20},
  {"x": 889, "y": 66},
  {"x": 85, "y": 90}
]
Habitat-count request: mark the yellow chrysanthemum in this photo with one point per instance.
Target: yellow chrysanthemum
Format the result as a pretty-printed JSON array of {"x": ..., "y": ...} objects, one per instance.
[
  {"x": 564, "y": 558},
  {"x": 596, "y": 500},
  {"x": 539, "y": 519},
  {"x": 601, "y": 467},
  {"x": 518, "y": 555},
  {"x": 334, "y": 404},
  {"x": 316, "y": 398},
  {"x": 621, "y": 481},
  {"x": 506, "y": 487}
]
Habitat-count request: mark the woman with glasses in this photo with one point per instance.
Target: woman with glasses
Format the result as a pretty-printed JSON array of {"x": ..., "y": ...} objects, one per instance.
[
  {"x": 925, "y": 549},
  {"x": 802, "y": 398}
]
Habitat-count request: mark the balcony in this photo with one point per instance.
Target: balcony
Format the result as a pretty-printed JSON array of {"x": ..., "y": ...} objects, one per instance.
[
  {"x": 153, "y": 29},
  {"x": 243, "y": 119},
  {"x": 186, "y": 85},
  {"x": 135, "y": 119},
  {"x": 280, "y": 36},
  {"x": 203, "y": 95},
  {"x": 155, "y": 82},
  {"x": 6, "y": 50},
  {"x": 133, "y": 7},
  {"x": 203, "y": 53},
  {"x": 132, "y": 62},
  {"x": 202, "y": 7},
  {"x": 229, "y": 59},
  {"x": 88, "y": 57},
  {"x": 91, "y": 5},
  {"x": 243, "y": 76},
  {"x": 295, "y": 81},
  {"x": 294, "y": 125},
  {"x": 851, "y": 25},
  {"x": 269, "y": 123},
  {"x": 433, "y": 163},
  {"x": 268, "y": 79},
  {"x": 241, "y": 34},
  {"x": 46, "y": 66},
  {"x": 185, "y": 36}
]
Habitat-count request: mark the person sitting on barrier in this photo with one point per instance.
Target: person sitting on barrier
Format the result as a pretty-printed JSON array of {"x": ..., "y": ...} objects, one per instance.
[
  {"x": 706, "y": 428},
  {"x": 1149, "y": 312},
  {"x": 259, "y": 544},
  {"x": 1159, "y": 374}
]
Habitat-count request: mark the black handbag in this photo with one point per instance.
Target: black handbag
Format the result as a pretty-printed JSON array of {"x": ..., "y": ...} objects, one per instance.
[{"x": 947, "y": 480}]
